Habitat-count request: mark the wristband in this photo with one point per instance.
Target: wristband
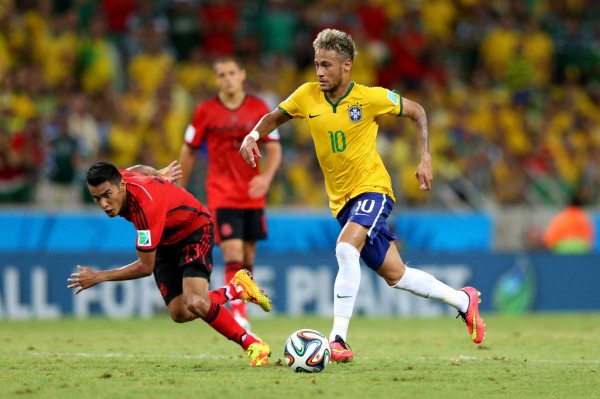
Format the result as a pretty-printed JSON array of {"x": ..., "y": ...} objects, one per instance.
[{"x": 254, "y": 134}]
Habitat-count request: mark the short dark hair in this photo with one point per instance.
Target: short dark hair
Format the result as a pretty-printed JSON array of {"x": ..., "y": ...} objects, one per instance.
[
  {"x": 103, "y": 172},
  {"x": 227, "y": 58}
]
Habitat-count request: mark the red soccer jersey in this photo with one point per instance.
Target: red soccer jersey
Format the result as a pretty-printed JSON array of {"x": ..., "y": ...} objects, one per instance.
[
  {"x": 161, "y": 212},
  {"x": 224, "y": 130}
]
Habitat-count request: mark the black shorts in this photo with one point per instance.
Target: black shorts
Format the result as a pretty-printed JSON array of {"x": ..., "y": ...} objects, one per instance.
[
  {"x": 246, "y": 224},
  {"x": 191, "y": 257}
]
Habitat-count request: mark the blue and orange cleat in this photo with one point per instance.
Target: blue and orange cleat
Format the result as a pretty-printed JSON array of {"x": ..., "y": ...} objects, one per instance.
[{"x": 472, "y": 318}]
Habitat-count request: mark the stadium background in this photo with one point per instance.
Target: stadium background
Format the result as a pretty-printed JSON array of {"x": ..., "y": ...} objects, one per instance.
[{"x": 512, "y": 94}]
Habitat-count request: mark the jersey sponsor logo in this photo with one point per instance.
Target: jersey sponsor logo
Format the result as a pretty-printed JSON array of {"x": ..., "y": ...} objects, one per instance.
[
  {"x": 355, "y": 113},
  {"x": 393, "y": 97},
  {"x": 144, "y": 239}
]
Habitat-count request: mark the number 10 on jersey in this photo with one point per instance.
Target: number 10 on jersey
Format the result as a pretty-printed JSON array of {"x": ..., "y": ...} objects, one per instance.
[{"x": 338, "y": 141}]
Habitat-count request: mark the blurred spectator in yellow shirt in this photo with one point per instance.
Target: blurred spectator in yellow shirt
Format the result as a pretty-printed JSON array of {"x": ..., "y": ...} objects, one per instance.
[
  {"x": 125, "y": 139},
  {"x": 195, "y": 74},
  {"x": 163, "y": 139},
  {"x": 100, "y": 62},
  {"x": 520, "y": 73},
  {"x": 438, "y": 18},
  {"x": 499, "y": 45},
  {"x": 149, "y": 67},
  {"x": 538, "y": 49},
  {"x": 136, "y": 103},
  {"x": 59, "y": 49}
]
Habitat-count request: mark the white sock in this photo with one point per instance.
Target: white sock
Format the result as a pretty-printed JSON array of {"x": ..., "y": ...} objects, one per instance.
[
  {"x": 345, "y": 288},
  {"x": 340, "y": 327},
  {"x": 425, "y": 285}
]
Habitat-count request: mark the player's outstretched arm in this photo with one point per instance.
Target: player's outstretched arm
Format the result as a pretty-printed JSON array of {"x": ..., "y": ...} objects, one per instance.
[
  {"x": 418, "y": 117},
  {"x": 271, "y": 121},
  {"x": 87, "y": 277}
]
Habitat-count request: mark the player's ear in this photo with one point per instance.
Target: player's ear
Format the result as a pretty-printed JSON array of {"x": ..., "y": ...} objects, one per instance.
[{"x": 347, "y": 65}]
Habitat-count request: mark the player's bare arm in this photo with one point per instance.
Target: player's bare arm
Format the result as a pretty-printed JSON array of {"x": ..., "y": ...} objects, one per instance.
[
  {"x": 259, "y": 185},
  {"x": 170, "y": 173},
  {"x": 187, "y": 155},
  {"x": 418, "y": 117},
  {"x": 271, "y": 121},
  {"x": 88, "y": 277}
]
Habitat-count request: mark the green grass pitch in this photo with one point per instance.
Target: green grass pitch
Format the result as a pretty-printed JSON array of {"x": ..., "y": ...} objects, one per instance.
[{"x": 526, "y": 356}]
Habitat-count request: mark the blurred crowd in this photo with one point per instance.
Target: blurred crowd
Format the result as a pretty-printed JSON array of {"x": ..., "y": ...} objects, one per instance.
[{"x": 511, "y": 89}]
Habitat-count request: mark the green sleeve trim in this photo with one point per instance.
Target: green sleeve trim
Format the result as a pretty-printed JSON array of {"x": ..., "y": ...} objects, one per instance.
[
  {"x": 284, "y": 111},
  {"x": 401, "y": 103}
]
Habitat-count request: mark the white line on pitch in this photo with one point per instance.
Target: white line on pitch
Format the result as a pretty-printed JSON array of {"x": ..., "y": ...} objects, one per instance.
[{"x": 127, "y": 355}]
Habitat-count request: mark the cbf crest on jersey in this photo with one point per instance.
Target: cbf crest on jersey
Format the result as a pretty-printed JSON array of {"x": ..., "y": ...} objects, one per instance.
[{"x": 355, "y": 113}]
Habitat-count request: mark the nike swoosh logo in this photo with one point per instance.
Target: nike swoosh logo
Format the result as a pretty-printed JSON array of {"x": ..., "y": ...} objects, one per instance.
[
  {"x": 343, "y": 296},
  {"x": 313, "y": 116}
]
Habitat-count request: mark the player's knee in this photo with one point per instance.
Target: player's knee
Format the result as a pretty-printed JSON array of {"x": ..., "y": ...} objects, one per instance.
[
  {"x": 181, "y": 316},
  {"x": 392, "y": 273},
  {"x": 346, "y": 254},
  {"x": 197, "y": 305}
]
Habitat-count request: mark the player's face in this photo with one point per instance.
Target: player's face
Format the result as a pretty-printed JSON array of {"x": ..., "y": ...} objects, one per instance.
[
  {"x": 330, "y": 70},
  {"x": 109, "y": 197},
  {"x": 230, "y": 77}
]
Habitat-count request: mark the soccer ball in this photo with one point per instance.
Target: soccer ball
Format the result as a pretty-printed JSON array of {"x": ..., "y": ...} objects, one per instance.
[{"x": 306, "y": 351}]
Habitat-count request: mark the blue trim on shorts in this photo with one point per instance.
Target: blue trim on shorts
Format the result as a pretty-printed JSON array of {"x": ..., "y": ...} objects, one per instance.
[{"x": 371, "y": 210}]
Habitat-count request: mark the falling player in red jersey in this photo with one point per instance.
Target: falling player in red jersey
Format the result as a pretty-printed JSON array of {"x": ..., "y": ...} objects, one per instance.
[
  {"x": 236, "y": 192},
  {"x": 174, "y": 242}
]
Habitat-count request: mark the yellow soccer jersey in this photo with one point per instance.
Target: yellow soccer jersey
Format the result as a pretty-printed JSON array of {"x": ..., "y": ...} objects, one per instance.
[{"x": 345, "y": 135}]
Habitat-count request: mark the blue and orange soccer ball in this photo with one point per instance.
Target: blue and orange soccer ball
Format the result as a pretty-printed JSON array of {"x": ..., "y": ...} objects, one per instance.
[{"x": 307, "y": 351}]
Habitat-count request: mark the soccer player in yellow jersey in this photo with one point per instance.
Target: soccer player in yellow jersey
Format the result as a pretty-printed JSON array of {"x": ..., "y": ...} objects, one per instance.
[{"x": 341, "y": 116}]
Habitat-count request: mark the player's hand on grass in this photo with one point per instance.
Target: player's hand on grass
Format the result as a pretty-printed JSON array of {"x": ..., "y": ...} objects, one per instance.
[
  {"x": 83, "y": 280},
  {"x": 424, "y": 173},
  {"x": 249, "y": 150},
  {"x": 172, "y": 172}
]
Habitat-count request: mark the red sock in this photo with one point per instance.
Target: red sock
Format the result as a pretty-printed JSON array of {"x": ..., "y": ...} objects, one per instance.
[
  {"x": 231, "y": 268},
  {"x": 238, "y": 307},
  {"x": 224, "y": 294},
  {"x": 223, "y": 322}
]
